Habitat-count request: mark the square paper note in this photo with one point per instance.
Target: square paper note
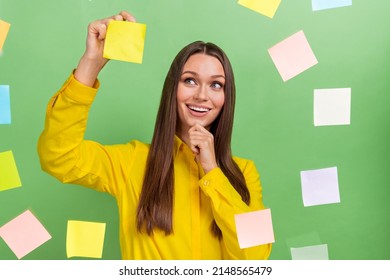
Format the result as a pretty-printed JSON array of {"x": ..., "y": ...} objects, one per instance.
[
  {"x": 332, "y": 106},
  {"x": 316, "y": 252},
  {"x": 125, "y": 41},
  {"x": 5, "y": 105},
  {"x": 85, "y": 239},
  {"x": 329, "y": 4},
  {"x": 254, "y": 228},
  {"x": 320, "y": 186},
  {"x": 292, "y": 56},
  {"x": 9, "y": 175},
  {"x": 24, "y": 234},
  {"x": 264, "y": 7},
  {"x": 4, "y": 28}
]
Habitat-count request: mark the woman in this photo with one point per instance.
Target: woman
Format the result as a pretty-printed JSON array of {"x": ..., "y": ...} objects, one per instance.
[{"x": 177, "y": 197}]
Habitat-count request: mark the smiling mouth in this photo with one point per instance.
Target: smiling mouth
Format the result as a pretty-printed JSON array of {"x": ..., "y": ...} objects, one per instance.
[{"x": 198, "y": 109}]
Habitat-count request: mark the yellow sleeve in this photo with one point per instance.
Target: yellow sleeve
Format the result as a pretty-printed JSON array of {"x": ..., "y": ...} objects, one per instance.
[
  {"x": 65, "y": 154},
  {"x": 226, "y": 202}
]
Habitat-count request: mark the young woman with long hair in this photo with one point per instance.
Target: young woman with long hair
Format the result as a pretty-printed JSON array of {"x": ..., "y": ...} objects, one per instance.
[{"x": 177, "y": 197}]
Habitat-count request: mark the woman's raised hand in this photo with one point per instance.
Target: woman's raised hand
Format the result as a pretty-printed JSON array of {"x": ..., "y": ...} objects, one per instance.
[{"x": 92, "y": 62}]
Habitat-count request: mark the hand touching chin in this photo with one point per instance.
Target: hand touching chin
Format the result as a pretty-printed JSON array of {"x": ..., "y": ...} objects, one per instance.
[{"x": 202, "y": 144}]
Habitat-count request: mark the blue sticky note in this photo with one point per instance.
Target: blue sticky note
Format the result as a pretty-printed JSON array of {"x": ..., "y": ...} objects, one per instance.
[
  {"x": 329, "y": 4},
  {"x": 5, "y": 108}
]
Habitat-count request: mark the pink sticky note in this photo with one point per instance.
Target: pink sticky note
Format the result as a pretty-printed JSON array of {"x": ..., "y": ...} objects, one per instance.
[
  {"x": 292, "y": 56},
  {"x": 24, "y": 234},
  {"x": 254, "y": 228}
]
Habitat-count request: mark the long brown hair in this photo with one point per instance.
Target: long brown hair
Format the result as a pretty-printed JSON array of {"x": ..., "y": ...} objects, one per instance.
[{"x": 156, "y": 201}]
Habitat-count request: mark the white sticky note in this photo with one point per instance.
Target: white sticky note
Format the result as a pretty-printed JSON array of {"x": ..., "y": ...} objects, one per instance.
[
  {"x": 332, "y": 106},
  {"x": 316, "y": 252},
  {"x": 254, "y": 228},
  {"x": 320, "y": 186}
]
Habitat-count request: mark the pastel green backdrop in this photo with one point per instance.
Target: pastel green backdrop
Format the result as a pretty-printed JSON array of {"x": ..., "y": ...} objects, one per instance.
[{"x": 273, "y": 123}]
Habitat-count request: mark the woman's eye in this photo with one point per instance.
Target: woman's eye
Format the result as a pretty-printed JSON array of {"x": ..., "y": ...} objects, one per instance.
[
  {"x": 216, "y": 85},
  {"x": 189, "y": 81}
]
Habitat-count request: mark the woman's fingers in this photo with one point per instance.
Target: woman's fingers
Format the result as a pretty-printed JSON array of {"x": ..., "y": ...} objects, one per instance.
[
  {"x": 124, "y": 16},
  {"x": 118, "y": 17},
  {"x": 201, "y": 137},
  {"x": 99, "y": 27},
  {"x": 100, "y": 30},
  {"x": 202, "y": 144},
  {"x": 93, "y": 61},
  {"x": 127, "y": 16}
]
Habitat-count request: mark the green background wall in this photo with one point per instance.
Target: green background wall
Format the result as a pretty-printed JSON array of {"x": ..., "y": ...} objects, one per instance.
[{"x": 273, "y": 123}]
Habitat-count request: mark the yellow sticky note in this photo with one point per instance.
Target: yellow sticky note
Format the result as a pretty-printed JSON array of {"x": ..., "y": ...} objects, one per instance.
[
  {"x": 9, "y": 176},
  {"x": 264, "y": 7},
  {"x": 85, "y": 239},
  {"x": 4, "y": 28},
  {"x": 125, "y": 41}
]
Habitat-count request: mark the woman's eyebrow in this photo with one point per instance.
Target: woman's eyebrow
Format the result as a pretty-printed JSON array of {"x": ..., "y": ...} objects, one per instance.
[
  {"x": 218, "y": 76},
  {"x": 196, "y": 74},
  {"x": 190, "y": 72}
]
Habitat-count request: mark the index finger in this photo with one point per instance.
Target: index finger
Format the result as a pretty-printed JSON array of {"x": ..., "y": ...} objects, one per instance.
[{"x": 198, "y": 127}]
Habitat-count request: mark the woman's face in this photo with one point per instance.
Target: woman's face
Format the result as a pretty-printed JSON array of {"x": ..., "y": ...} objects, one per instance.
[{"x": 200, "y": 92}]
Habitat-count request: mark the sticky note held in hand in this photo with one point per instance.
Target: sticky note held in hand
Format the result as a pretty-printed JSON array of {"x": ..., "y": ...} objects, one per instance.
[{"x": 125, "y": 41}]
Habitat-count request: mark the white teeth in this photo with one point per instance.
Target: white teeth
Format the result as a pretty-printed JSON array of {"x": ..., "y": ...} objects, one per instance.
[{"x": 199, "y": 109}]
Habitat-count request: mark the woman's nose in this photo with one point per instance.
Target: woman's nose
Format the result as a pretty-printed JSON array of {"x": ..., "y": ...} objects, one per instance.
[{"x": 201, "y": 93}]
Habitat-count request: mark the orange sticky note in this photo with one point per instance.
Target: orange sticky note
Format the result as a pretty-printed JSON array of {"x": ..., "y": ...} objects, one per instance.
[
  {"x": 24, "y": 234},
  {"x": 85, "y": 239},
  {"x": 254, "y": 228},
  {"x": 9, "y": 176},
  {"x": 265, "y": 7},
  {"x": 125, "y": 41},
  {"x": 292, "y": 56},
  {"x": 4, "y": 28}
]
